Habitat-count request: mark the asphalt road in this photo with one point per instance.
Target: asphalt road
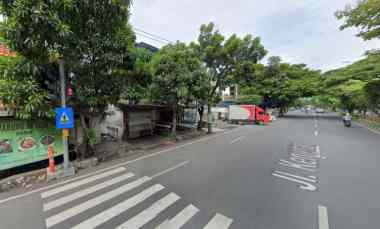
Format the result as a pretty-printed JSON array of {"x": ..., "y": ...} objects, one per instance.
[{"x": 300, "y": 172}]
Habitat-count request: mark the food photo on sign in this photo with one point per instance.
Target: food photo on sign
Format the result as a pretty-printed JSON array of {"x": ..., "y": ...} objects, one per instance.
[{"x": 24, "y": 142}]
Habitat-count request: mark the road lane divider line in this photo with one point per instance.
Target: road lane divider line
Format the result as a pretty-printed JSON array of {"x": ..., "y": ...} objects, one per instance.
[
  {"x": 150, "y": 213},
  {"x": 323, "y": 218},
  {"x": 170, "y": 169},
  {"x": 316, "y": 133},
  {"x": 219, "y": 222},
  {"x": 180, "y": 219},
  {"x": 66, "y": 199},
  {"x": 237, "y": 140},
  {"x": 116, "y": 210},
  {"x": 81, "y": 182},
  {"x": 116, "y": 166},
  {"x": 62, "y": 216}
]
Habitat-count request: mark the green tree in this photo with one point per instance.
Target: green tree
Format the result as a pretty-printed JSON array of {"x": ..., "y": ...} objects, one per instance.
[
  {"x": 173, "y": 69},
  {"x": 92, "y": 37},
  {"x": 226, "y": 60},
  {"x": 365, "y": 15},
  {"x": 373, "y": 91},
  {"x": 352, "y": 96},
  {"x": 199, "y": 86},
  {"x": 281, "y": 84},
  {"x": 355, "y": 86},
  {"x": 140, "y": 77},
  {"x": 20, "y": 90}
]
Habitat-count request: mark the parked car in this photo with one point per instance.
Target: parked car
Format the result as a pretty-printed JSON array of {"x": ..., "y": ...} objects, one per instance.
[{"x": 319, "y": 110}]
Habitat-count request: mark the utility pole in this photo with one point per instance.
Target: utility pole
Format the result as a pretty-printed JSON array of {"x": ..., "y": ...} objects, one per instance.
[{"x": 68, "y": 170}]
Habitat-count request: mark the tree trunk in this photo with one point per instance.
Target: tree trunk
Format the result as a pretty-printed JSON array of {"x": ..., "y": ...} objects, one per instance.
[
  {"x": 84, "y": 145},
  {"x": 209, "y": 118},
  {"x": 281, "y": 112},
  {"x": 174, "y": 121},
  {"x": 200, "y": 122}
]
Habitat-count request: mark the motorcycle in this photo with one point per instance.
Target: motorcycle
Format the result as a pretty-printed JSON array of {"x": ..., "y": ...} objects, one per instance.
[
  {"x": 347, "y": 123},
  {"x": 347, "y": 120}
]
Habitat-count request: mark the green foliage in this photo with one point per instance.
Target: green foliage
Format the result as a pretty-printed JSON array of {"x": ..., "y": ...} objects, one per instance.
[
  {"x": 281, "y": 84},
  {"x": 352, "y": 96},
  {"x": 355, "y": 86},
  {"x": 227, "y": 60},
  {"x": 91, "y": 136},
  {"x": 92, "y": 37},
  {"x": 365, "y": 16},
  {"x": 372, "y": 89},
  {"x": 20, "y": 91},
  {"x": 172, "y": 69},
  {"x": 324, "y": 101},
  {"x": 140, "y": 77},
  {"x": 249, "y": 99}
]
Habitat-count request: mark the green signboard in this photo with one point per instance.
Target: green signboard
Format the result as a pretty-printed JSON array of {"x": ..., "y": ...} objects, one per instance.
[{"x": 23, "y": 142}]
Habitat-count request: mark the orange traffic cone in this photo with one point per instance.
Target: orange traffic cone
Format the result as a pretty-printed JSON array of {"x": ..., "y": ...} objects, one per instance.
[{"x": 51, "y": 167}]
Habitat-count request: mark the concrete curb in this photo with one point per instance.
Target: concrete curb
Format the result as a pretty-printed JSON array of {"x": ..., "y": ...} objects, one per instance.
[
  {"x": 25, "y": 180},
  {"x": 366, "y": 127}
]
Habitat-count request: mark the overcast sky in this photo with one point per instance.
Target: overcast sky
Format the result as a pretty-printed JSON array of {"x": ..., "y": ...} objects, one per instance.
[{"x": 300, "y": 31}]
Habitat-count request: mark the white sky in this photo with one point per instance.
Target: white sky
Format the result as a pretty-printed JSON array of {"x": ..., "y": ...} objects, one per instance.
[{"x": 300, "y": 31}]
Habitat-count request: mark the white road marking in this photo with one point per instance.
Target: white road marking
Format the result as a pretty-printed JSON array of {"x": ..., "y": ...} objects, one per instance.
[
  {"x": 66, "y": 199},
  {"x": 150, "y": 213},
  {"x": 170, "y": 169},
  {"x": 81, "y": 182},
  {"x": 290, "y": 164},
  {"x": 119, "y": 208},
  {"x": 318, "y": 150},
  {"x": 62, "y": 216},
  {"x": 323, "y": 218},
  {"x": 316, "y": 133},
  {"x": 116, "y": 166},
  {"x": 219, "y": 222},
  {"x": 180, "y": 219},
  {"x": 295, "y": 176},
  {"x": 237, "y": 140},
  {"x": 304, "y": 186}
]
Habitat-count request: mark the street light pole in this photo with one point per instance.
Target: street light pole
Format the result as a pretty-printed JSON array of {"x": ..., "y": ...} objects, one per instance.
[{"x": 68, "y": 170}]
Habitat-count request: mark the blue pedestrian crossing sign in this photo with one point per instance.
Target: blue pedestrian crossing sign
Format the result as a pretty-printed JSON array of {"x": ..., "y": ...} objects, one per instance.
[{"x": 64, "y": 118}]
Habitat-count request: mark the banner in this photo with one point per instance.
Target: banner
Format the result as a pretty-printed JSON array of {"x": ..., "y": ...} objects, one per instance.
[{"x": 24, "y": 142}]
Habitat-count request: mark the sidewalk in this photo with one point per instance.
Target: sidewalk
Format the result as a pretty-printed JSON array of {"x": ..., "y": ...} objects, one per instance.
[{"x": 110, "y": 153}]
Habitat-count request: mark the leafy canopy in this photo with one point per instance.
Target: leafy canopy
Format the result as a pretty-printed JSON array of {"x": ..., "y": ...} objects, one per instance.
[
  {"x": 365, "y": 15},
  {"x": 173, "y": 68},
  {"x": 281, "y": 84},
  {"x": 227, "y": 60},
  {"x": 92, "y": 37}
]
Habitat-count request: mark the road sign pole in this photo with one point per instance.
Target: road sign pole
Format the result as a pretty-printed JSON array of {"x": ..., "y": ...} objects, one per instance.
[{"x": 67, "y": 169}]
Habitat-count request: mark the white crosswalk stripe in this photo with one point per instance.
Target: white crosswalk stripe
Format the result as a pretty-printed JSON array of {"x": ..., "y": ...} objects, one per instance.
[
  {"x": 62, "y": 196},
  {"x": 180, "y": 219},
  {"x": 85, "y": 192},
  {"x": 81, "y": 182},
  {"x": 60, "y": 217},
  {"x": 219, "y": 222},
  {"x": 150, "y": 213},
  {"x": 118, "y": 209}
]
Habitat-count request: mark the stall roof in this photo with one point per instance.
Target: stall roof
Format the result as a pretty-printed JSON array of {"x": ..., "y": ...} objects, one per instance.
[{"x": 127, "y": 107}]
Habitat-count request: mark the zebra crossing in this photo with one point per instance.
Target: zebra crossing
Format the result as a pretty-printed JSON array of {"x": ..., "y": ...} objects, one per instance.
[{"x": 66, "y": 202}]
